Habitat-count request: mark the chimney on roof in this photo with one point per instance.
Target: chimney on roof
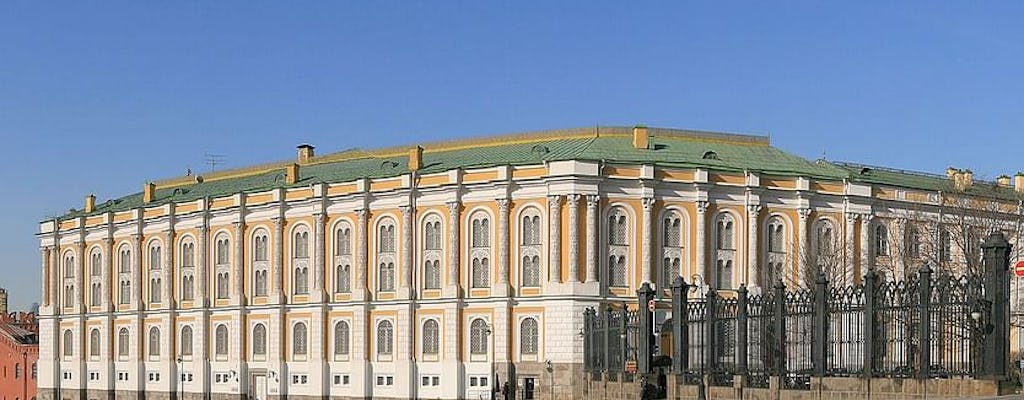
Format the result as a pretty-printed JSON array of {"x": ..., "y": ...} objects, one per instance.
[
  {"x": 90, "y": 203},
  {"x": 415, "y": 158},
  {"x": 951, "y": 173},
  {"x": 148, "y": 192},
  {"x": 641, "y": 139},
  {"x": 962, "y": 178},
  {"x": 291, "y": 173},
  {"x": 1003, "y": 181},
  {"x": 305, "y": 153},
  {"x": 1018, "y": 182}
]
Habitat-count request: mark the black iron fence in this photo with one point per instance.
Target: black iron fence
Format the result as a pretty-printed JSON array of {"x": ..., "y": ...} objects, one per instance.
[{"x": 925, "y": 326}]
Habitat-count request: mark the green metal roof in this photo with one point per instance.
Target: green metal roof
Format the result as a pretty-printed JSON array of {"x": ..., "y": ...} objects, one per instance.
[{"x": 669, "y": 148}]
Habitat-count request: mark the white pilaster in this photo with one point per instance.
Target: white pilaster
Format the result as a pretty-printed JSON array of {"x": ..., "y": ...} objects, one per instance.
[
  {"x": 573, "y": 202},
  {"x": 646, "y": 269},
  {"x": 592, "y": 202},
  {"x": 554, "y": 238},
  {"x": 753, "y": 275}
]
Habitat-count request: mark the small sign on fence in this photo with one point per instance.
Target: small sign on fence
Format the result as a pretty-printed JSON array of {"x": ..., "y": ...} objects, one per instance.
[{"x": 1018, "y": 269}]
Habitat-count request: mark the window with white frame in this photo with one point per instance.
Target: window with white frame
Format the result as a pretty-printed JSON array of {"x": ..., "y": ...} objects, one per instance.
[
  {"x": 725, "y": 250},
  {"x": 300, "y": 260},
  {"x": 260, "y": 262},
  {"x": 775, "y": 243},
  {"x": 825, "y": 250},
  {"x": 259, "y": 341},
  {"x": 528, "y": 338},
  {"x": 385, "y": 340},
  {"x": 94, "y": 344},
  {"x": 386, "y": 254},
  {"x": 478, "y": 338},
  {"x": 69, "y": 279},
  {"x": 672, "y": 247},
  {"x": 220, "y": 345},
  {"x": 913, "y": 241},
  {"x": 432, "y": 251},
  {"x": 343, "y": 257},
  {"x": 155, "y": 272},
  {"x": 187, "y": 267},
  {"x": 154, "y": 343},
  {"x": 431, "y": 340},
  {"x": 222, "y": 267},
  {"x": 122, "y": 343},
  {"x": 299, "y": 341},
  {"x": 124, "y": 274},
  {"x": 530, "y": 247},
  {"x": 881, "y": 241},
  {"x": 480, "y": 250},
  {"x": 341, "y": 340},
  {"x": 95, "y": 277},
  {"x": 945, "y": 246},
  {"x": 68, "y": 344},
  {"x": 618, "y": 247},
  {"x": 186, "y": 342}
]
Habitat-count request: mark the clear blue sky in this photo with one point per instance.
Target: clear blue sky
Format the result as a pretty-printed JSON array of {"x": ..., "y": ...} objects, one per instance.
[{"x": 98, "y": 97}]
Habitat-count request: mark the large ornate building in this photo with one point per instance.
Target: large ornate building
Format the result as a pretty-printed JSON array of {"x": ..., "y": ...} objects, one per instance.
[
  {"x": 19, "y": 353},
  {"x": 445, "y": 270}
]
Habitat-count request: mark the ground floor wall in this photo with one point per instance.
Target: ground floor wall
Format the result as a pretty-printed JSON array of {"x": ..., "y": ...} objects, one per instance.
[{"x": 839, "y": 388}]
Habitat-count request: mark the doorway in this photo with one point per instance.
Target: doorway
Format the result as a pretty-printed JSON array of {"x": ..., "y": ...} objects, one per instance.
[{"x": 259, "y": 387}]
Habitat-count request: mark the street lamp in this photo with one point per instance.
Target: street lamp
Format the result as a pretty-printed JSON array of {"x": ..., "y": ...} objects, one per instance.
[
  {"x": 487, "y": 336},
  {"x": 181, "y": 378}
]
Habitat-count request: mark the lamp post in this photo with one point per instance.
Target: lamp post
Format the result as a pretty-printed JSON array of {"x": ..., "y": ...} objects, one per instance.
[
  {"x": 487, "y": 334},
  {"x": 181, "y": 379}
]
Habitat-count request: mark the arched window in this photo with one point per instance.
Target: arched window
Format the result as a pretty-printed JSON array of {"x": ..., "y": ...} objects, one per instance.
[
  {"x": 186, "y": 341},
  {"x": 341, "y": 339},
  {"x": 69, "y": 279},
  {"x": 480, "y": 250},
  {"x": 220, "y": 348},
  {"x": 913, "y": 241},
  {"x": 618, "y": 248},
  {"x": 155, "y": 273},
  {"x": 385, "y": 339},
  {"x": 188, "y": 254},
  {"x": 122, "y": 343},
  {"x": 300, "y": 260},
  {"x": 222, "y": 267},
  {"x": 260, "y": 263},
  {"x": 301, "y": 243},
  {"x": 187, "y": 274},
  {"x": 69, "y": 343},
  {"x": 528, "y": 337},
  {"x": 343, "y": 258},
  {"x": 881, "y": 240},
  {"x": 530, "y": 247},
  {"x": 478, "y": 332},
  {"x": 94, "y": 343},
  {"x": 95, "y": 263},
  {"x": 945, "y": 246},
  {"x": 775, "y": 244},
  {"x": 69, "y": 264},
  {"x": 432, "y": 254},
  {"x": 154, "y": 343},
  {"x": 386, "y": 256},
  {"x": 672, "y": 250},
  {"x": 431, "y": 339},
  {"x": 725, "y": 250},
  {"x": 299, "y": 340},
  {"x": 259, "y": 340},
  {"x": 95, "y": 277}
]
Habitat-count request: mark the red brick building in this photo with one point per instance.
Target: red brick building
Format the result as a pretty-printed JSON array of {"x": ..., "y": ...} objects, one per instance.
[{"x": 19, "y": 350}]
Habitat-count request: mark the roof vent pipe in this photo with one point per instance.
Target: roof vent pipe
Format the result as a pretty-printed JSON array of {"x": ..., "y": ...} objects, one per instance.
[{"x": 641, "y": 139}]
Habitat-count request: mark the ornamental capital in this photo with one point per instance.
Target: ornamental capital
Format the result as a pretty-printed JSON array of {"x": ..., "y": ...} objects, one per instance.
[
  {"x": 454, "y": 206},
  {"x": 648, "y": 203},
  {"x": 503, "y": 205},
  {"x": 702, "y": 206},
  {"x": 866, "y": 218},
  {"x": 361, "y": 213},
  {"x": 754, "y": 209},
  {"x": 554, "y": 200},
  {"x": 406, "y": 210},
  {"x": 804, "y": 213},
  {"x": 573, "y": 199},
  {"x": 593, "y": 200}
]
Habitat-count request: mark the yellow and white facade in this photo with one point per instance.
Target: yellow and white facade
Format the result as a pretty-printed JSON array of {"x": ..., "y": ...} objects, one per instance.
[{"x": 439, "y": 272}]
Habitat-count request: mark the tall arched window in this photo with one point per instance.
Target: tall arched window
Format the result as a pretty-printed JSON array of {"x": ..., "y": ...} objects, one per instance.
[
  {"x": 385, "y": 340},
  {"x": 672, "y": 247},
  {"x": 828, "y": 256},
  {"x": 945, "y": 246},
  {"x": 528, "y": 337},
  {"x": 155, "y": 272},
  {"x": 122, "y": 343},
  {"x": 431, "y": 339},
  {"x": 480, "y": 250},
  {"x": 913, "y": 241},
  {"x": 69, "y": 344},
  {"x": 725, "y": 250},
  {"x": 188, "y": 269},
  {"x": 124, "y": 276},
  {"x": 341, "y": 340},
  {"x": 95, "y": 277},
  {"x": 300, "y": 260},
  {"x": 775, "y": 239},
  {"x": 220, "y": 345},
  {"x": 259, "y": 340},
  {"x": 154, "y": 343},
  {"x": 881, "y": 240},
  {"x": 530, "y": 247},
  {"x": 69, "y": 279},
  {"x": 95, "y": 263},
  {"x": 299, "y": 340},
  {"x": 94, "y": 344},
  {"x": 432, "y": 254},
  {"x": 186, "y": 341},
  {"x": 343, "y": 258},
  {"x": 386, "y": 255},
  {"x": 478, "y": 332},
  {"x": 618, "y": 248},
  {"x": 222, "y": 267},
  {"x": 260, "y": 262}
]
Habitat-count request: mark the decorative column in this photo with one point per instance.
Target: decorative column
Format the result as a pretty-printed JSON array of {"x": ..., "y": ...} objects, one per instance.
[
  {"x": 361, "y": 252},
  {"x": 702, "y": 264},
  {"x": 318, "y": 255},
  {"x": 753, "y": 268},
  {"x": 277, "y": 268},
  {"x": 108, "y": 268},
  {"x": 555, "y": 238},
  {"x": 137, "y": 282},
  {"x": 239, "y": 263},
  {"x": 899, "y": 254},
  {"x": 168, "y": 271},
  {"x": 202, "y": 252},
  {"x": 47, "y": 272},
  {"x": 592, "y": 201},
  {"x": 573, "y": 201},
  {"x": 503, "y": 244},
  {"x": 646, "y": 270},
  {"x": 454, "y": 249},
  {"x": 80, "y": 305},
  {"x": 406, "y": 250},
  {"x": 804, "y": 214},
  {"x": 848, "y": 249},
  {"x": 866, "y": 261}
]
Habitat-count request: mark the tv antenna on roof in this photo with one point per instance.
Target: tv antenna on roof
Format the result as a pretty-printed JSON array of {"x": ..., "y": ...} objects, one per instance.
[{"x": 213, "y": 160}]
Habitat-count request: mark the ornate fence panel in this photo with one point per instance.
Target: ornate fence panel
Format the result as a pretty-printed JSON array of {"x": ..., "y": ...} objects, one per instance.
[{"x": 845, "y": 336}]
